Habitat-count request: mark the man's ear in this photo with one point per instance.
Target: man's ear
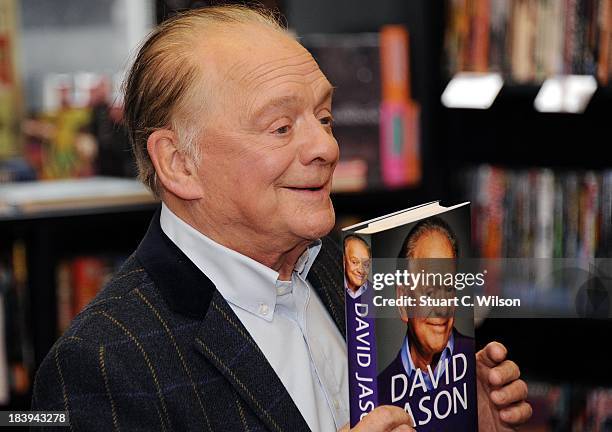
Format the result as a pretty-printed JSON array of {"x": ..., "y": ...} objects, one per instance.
[{"x": 176, "y": 171}]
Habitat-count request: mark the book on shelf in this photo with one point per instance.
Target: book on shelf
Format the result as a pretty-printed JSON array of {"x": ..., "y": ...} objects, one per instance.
[
  {"x": 376, "y": 121},
  {"x": 399, "y": 113},
  {"x": 564, "y": 406},
  {"x": 78, "y": 281},
  {"x": 540, "y": 213},
  {"x": 408, "y": 342},
  {"x": 529, "y": 40},
  {"x": 599, "y": 410},
  {"x": 16, "y": 354}
]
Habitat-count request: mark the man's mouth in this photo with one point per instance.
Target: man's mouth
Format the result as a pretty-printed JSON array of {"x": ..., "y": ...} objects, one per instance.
[
  {"x": 311, "y": 189},
  {"x": 314, "y": 190},
  {"x": 437, "y": 324}
]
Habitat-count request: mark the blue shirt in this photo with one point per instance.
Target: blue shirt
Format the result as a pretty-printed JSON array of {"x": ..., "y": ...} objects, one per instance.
[
  {"x": 410, "y": 369},
  {"x": 286, "y": 319},
  {"x": 354, "y": 294}
]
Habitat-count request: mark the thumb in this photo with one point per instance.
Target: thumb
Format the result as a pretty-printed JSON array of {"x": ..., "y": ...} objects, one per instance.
[{"x": 492, "y": 355}]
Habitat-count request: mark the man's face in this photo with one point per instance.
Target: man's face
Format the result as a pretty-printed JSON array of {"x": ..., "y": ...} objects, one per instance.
[
  {"x": 430, "y": 327},
  {"x": 268, "y": 148},
  {"x": 356, "y": 264}
]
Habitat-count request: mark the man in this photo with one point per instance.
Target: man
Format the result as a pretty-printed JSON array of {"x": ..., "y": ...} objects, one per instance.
[
  {"x": 357, "y": 260},
  {"x": 432, "y": 346},
  {"x": 229, "y": 315}
]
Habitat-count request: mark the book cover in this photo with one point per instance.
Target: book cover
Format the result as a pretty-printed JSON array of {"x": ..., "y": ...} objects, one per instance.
[{"x": 410, "y": 335}]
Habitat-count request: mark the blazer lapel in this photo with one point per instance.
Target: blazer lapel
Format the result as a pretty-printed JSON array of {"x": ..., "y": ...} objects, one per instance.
[
  {"x": 221, "y": 338},
  {"x": 325, "y": 276},
  {"x": 226, "y": 343}
]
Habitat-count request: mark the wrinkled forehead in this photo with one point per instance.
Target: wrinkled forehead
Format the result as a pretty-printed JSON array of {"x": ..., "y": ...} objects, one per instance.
[{"x": 252, "y": 58}]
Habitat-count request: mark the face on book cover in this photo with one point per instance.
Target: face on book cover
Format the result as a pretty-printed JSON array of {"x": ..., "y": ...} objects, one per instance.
[
  {"x": 356, "y": 264},
  {"x": 269, "y": 154},
  {"x": 430, "y": 328}
]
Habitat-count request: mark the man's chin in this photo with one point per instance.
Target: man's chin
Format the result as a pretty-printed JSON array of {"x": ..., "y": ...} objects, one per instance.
[{"x": 319, "y": 223}]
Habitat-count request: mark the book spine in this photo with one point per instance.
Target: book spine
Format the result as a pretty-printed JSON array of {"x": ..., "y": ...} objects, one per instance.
[
  {"x": 64, "y": 296},
  {"x": 605, "y": 247},
  {"x": 361, "y": 350},
  {"x": 88, "y": 275},
  {"x": 399, "y": 115},
  {"x": 605, "y": 27},
  {"x": 481, "y": 35},
  {"x": 570, "y": 36}
]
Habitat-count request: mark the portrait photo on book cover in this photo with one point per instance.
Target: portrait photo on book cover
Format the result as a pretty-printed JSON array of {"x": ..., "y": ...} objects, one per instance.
[
  {"x": 426, "y": 354},
  {"x": 357, "y": 264}
]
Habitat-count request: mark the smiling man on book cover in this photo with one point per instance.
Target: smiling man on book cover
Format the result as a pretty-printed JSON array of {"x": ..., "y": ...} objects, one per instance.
[{"x": 433, "y": 375}]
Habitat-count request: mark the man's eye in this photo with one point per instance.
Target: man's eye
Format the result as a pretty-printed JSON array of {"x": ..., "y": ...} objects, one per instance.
[
  {"x": 327, "y": 121},
  {"x": 282, "y": 130}
]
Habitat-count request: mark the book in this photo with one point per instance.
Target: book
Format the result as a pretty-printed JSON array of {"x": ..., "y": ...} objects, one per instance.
[
  {"x": 410, "y": 331},
  {"x": 78, "y": 281},
  {"x": 529, "y": 41},
  {"x": 540, "y": 212},
  {"x": 399, "y": 113},
  {"x": 599, "y": 410},
  {"x": 376, "y": 120}
]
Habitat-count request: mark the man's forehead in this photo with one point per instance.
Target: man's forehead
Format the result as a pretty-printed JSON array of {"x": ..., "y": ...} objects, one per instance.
[
  {"x": 252, "y": 54},
  {"x": 356, "y": 245}
]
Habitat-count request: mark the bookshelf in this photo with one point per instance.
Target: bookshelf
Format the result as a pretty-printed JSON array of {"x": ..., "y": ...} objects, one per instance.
[
  {"x": 511, "y": 134},
  {"x": 64, "y": 228}
]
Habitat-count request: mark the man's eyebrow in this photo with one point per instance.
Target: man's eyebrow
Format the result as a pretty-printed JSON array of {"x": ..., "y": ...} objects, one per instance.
[
  {"x": 288, "y": 101},
  {"x": 277, "y": 102}
]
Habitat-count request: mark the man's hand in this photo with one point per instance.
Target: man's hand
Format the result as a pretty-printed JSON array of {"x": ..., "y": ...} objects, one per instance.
[
  {"x": 501, "y": 394},
  {"x": 385, "y": 418}
]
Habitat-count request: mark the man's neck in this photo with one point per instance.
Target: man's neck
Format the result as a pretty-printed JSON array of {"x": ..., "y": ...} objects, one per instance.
[
  {"x": 422, "y": 360},
  {"x": 280, "y": 255}
]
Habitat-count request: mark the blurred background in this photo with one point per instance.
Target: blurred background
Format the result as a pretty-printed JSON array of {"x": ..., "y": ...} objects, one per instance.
[{"x": 506, "y": 103}]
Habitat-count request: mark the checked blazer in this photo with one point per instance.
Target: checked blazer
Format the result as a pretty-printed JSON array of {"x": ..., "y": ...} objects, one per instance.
[{"x": 159, "y": 349}]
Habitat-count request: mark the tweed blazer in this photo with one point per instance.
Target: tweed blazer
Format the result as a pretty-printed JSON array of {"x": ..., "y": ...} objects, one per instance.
[{"x": 159, "y": 349}]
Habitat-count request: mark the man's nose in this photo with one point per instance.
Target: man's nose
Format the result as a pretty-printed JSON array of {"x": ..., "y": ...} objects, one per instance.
[{"x": 318, "y": 144}]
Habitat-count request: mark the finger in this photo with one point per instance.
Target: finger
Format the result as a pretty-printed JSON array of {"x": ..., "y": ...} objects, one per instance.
[
  {"x": 504, "y": 374},
  {"x": 403, "y": 428},
  {"x": 384, "y": 418},
  {"x": 493, "y": 354},
  {"x": 514, "y": 392},
  {"x": 516, "y": 414}
]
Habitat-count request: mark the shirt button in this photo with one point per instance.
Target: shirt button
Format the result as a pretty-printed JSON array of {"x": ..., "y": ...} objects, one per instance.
[
  {"x": 336, "y": 404},
  {"x": 264, "y": 309}
]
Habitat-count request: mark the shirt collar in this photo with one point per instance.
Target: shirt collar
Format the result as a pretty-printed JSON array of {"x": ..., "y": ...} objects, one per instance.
[
  {"x": 241, "y": 280},
  {"x": 355, "y": 294},
  {"x": 410, "y": 369}
]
